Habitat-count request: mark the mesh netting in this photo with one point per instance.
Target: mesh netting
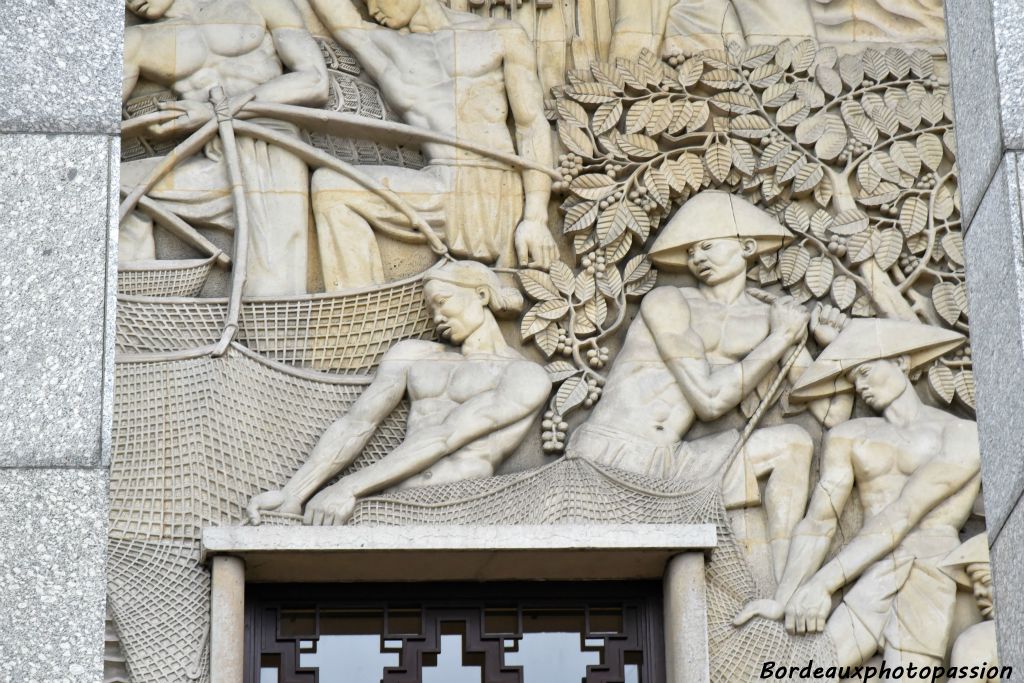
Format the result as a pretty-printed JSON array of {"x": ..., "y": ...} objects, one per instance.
[
  {"x": 575, "y": 491},
  {"x": 183, "y": 278},
  {"x": 194, "y": 439},
  {"x": 345, "y": 333}
]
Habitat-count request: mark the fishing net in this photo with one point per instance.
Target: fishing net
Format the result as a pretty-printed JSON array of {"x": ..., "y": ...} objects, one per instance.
[{"x": 164, "y": 278}]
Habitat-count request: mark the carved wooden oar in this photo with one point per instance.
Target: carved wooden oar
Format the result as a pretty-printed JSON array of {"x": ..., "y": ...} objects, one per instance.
[
  {"x": 182, "y": 230},
  {"x": 241, "y": 253}
]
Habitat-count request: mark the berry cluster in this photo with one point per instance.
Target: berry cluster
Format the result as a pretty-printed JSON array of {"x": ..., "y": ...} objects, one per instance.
[
  {"x": 909, "y": 263},
  {"x": 640, "y": 196},
  {"x": 837, "y": 246},
  {"x": 613, "y": 170},
  {"x": 927, "y": 181},
  {"x": 963, "y": 353},
  {"x": 676, "y": 58},
  {"x": 594, "y": 263},
  {"x": 570, "y": 166},
  {"x": 852, "y": 150},
  {"x": 594, "y": 392},
  {"x": 611, "y": 199},
  {"x": 555, "y": 429},
  {"x": 890, "y": 209},
  {"x": 598, "y": 358},
  {"x": 564, "y": 346}
]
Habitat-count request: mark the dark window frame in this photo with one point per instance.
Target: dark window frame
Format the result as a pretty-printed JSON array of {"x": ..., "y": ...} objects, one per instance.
[{"x": 458, "y": 601}]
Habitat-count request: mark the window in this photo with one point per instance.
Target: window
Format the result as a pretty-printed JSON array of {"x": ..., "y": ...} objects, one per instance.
[{"x": 455, "y": 633}]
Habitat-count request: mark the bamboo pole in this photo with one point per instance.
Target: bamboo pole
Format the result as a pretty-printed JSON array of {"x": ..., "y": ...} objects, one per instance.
[{"x": 182, "y": 230}]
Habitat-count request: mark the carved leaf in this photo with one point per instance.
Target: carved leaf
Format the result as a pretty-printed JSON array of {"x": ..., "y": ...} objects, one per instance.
[
  {"x": 606, "y": 74},
  {"x": 906, "y": 157},
  {"x": 591, "y": 93},
  {"x": 690, "y": 71},
  {"x": 531, "y": 325},
  {"x": 792, "y": 113},
  {"x": 930, "y": 148},
  {"x": 811, "y": 94},
  {"x": 638, "y": 146},
  {"x": 639, "y": 115},
  {"x": 586, "y": 286},
  {"x": 594, "y": 186},
  {"x": 862, "y": 307},
  {"x": 885, "y": 193},
  {"x": 734, "y": 102},
  {"x": 722, "y": 79},
  {"x": 851, "y": 70},
  {"x": 953, "y": 245},
  {"x": 701, "y": 113},
  {"x": 552, "y": 310},
  {"x": 757, "y": 55},
  {"x": 885, "y": 119},
  {"x": 580, "y": 217},
  {"x": 582, "y": 326},
  {"x": 682, "y": 112},
  {"x": 862, "y": 246},
  {"x": 596, "y": 310},
  {"x": 945, "y": 301},
  {"x": 828, "y": 79},
  {"x": 571, "y": 394},
  {"x": 834, "y": 139},
  {"x": 743, "y": 157},
  {"x": 661, "y": 119},
  {"x": 547, "y": 339},
  {"x": 751, "y": 126},
  {"x": 890, "y": 246},
  {"x": 940, "y": 378},
  {"x": 913, "y": 216},
  {"x": 538, "y": 285},
  {"x": 606, "y": 117},
  {"x": 862, "y": 128},
  {"x": 850, "y": 222},
  {"x": 821, "y": 222},
  {"x": 823, "y": 191},
  {"x": 575, "y": 140},
  {"x": 803, "y": 55},
  {"x": 718, "y": 160},
  {"x": 657, "y": 186},
  {"x": 690, "y": 170},
  {"x": 572, "y": 113},
  {"x": 643, "y": 285},
  {"x": 777, "y": 95},
  {"x": 819, "y": 275},
  {"x": 844, "y": 292},
  {"x": 933, "y": 109},
  {"x": 766, "y": 75},
  {"x": 619, "y": 248},
  {"x": 773, "y": 154},
  {"x": 612, "y": 223},
  {"x": 875, "y": 65},
  {"x": 949, "y": 139},
  {"x": 884, "y": 166},
  {"x": 909, "y": 114},
  {"x": 797, "y": 218},
  {"x": 789, "y": 167},
  {"x": 898, "y": 62},
  {"x": 562, "y": 277},
  {"x": 944, "y": 204},
  {"x": 964, "y": 382},
  {"x": 868, "y": 177},
  {"x": 793, "y": 263},
  {"x": 637, "y": 268}
]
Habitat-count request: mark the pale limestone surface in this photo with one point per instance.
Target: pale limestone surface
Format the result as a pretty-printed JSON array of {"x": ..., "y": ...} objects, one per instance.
[
  {"x": 53, "y": 291},
  {"x": 52, "y": 540}
]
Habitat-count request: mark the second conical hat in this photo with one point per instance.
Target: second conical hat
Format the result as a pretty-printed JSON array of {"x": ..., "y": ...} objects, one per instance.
[
  {"x": 713, "y": 215},
  {"x": 867, "y": 339},
  {"x": 972, "y": 551}
]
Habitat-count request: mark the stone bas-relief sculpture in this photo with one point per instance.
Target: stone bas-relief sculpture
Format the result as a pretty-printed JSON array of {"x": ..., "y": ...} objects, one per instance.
[
  {"x": 969, "y": 565},
  {"x": 755, "y": 301},
  {"x": 468, "y": 410}
]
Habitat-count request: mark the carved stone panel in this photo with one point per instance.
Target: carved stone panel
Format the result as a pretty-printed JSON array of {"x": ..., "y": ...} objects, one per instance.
[{"x": 507, "y": 263}]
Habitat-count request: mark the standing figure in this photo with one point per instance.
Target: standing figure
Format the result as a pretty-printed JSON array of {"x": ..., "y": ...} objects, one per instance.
[
  {"x": 454, "y": 73},
  {"x": 916, "y": 470},
  {"x": 470, "y": 406},
  {"x": 696, "y": 353},
  {"x": 250, "y": 48},
  {"x": 975, "y": 647}
]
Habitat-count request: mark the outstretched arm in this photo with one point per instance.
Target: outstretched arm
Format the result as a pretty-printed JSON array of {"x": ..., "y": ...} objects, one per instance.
[
  {"x": 533, "y": 142},
  {"x": 713, "y": 391},
  {"x": 522, "y": 391},
  {"x": 360, "y": 37}
]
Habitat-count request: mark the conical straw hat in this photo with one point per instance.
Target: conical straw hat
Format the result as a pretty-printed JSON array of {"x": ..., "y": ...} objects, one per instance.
[
  {"x": 867, "y": 339},
  {"x": 972, "y": 551},
  {"x": 713, "y": 215}
]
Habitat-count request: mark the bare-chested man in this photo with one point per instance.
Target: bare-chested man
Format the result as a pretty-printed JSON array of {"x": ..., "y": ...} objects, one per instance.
[
  {"x": 454, "y": 73},
  {"x": 697, "y": 353},
  {"x": 469, "y": 409},
  {"x": 250, "y": 48},
  {"x": 916, "y": 470}
]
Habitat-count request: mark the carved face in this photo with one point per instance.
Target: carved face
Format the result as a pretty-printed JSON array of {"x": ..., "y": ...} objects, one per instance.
[
  {"x": 149, "y": 9},
  {"x": 720, "y": 260},
  {"x": 879, "y": 382},
  {"x": 393, "y": 13},
  {"x": 458, "y": 311},
  {"x": 981, "y": 577}
]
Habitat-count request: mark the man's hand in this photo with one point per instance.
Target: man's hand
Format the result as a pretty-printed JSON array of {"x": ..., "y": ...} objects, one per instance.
[
  {"x": 534, "y": 245},
  {"x": 788, "y": 318},
  {"x": 826, "y": 324},
  {"x": 767, "y": 609},
  {"x": 188, "y": 116},
  {"x": 272, "y": 501},
  {"x": 332, "y": 506},
  {"x": 808, "y": 609}
]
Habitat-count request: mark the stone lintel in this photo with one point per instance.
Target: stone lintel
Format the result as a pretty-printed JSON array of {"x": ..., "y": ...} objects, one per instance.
[{"x": 465, "y": 553}]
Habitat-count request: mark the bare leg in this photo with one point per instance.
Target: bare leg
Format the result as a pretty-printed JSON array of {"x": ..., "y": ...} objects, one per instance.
[
  {"x": 854, "y": 644},
  {"x": 783, "y": 454}
]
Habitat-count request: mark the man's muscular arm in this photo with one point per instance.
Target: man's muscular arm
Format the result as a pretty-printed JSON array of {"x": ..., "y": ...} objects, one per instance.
[
  {"x": 345, "y": 439},
  {"x": 305, "y": 79},
  {"x": 347, "y": 27},
  {"x": 535, "y": 245},
  {"x": 522, "y": 391},
  {"x": 713, "y": 391},
  {"x": 813, "y": 535}
]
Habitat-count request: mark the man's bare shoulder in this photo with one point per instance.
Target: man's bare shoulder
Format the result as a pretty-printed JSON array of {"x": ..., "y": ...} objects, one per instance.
[
  {"x": 411, "y": 350},
  {"x": 858, "y": 428}
]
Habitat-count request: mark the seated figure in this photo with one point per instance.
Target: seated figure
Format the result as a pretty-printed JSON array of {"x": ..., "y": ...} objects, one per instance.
[
  {"x": 917, "y": 473},
  {"x": 470, "y": 406},
  {"x": 698, "y": 353}
]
